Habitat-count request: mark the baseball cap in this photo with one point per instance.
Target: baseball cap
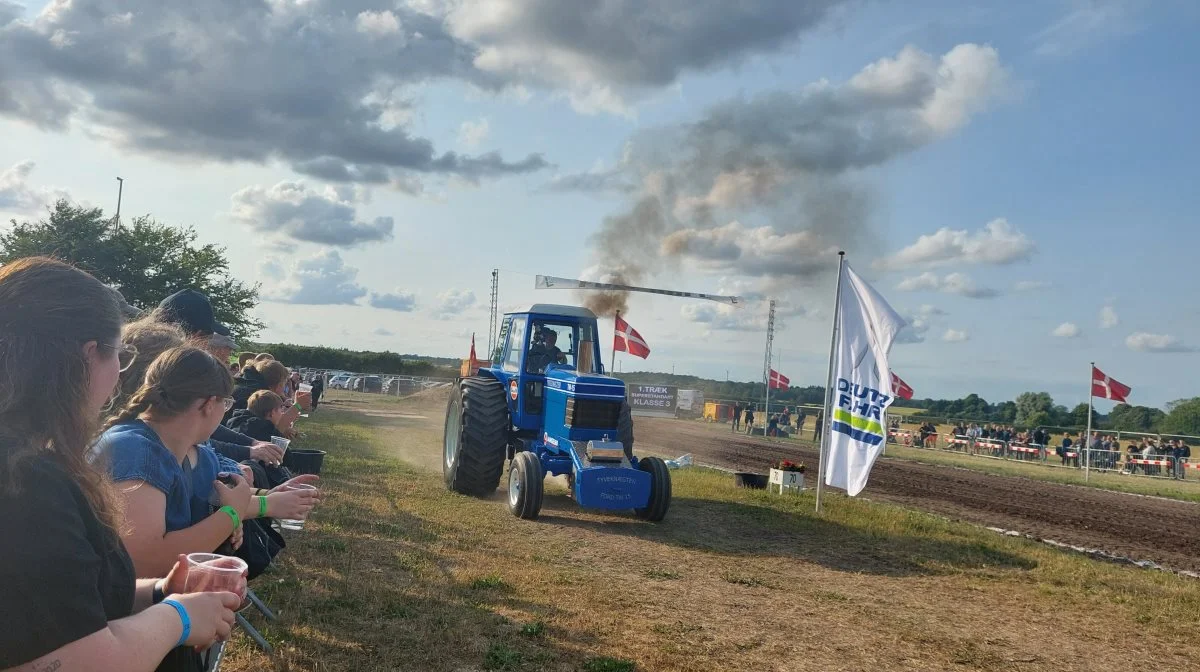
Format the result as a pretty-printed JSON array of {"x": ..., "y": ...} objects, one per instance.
[
  {"x": 128, "y": 311},
  {"x": 222, "y": 341},
  {"x": 192, "y": 311}
]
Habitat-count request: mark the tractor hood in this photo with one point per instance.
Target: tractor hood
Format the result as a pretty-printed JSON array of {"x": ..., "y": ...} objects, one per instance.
[{"x": 593, "y": 385}]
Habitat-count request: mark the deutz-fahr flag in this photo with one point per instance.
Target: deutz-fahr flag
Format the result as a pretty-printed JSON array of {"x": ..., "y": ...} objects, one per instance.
[{"x": 862, "y": 380}]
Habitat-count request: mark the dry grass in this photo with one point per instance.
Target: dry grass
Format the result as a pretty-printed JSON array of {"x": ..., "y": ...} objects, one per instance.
[{"x": 394, "y": 573}]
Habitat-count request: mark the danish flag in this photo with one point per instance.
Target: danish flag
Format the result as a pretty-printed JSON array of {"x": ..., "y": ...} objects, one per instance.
[
  {"x": 778, "y": 381},
  {"x": 627, "y": 339},
  {"x": 1107, "y": 388},
  {"x": 900, "y": 388}
]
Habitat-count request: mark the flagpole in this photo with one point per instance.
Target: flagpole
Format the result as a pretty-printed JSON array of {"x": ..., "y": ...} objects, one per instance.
[
  {"x": 1087, "y": 438},
  {"x": 821, "y": 454},
  {"x": 612, "y": 369}
]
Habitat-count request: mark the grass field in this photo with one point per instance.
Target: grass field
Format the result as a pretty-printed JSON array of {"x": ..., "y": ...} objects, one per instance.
[{"x": 394, "y": 573}]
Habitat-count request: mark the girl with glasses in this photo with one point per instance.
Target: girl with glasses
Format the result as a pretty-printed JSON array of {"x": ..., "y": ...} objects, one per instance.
[{"x": 70, "y": 600}]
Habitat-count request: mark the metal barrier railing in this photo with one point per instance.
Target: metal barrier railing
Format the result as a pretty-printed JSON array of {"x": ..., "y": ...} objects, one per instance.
[{"x": 1112, "y": 461}]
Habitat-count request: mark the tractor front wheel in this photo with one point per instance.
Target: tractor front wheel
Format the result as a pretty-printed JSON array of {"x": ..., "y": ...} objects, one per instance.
[
  {"x": 660, "y": 489},
  {"x": 476, "y": 438},
  {"x": 526, "y": 478}
]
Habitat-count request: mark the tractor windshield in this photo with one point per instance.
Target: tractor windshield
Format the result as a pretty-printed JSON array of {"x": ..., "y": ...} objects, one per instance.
[{"x": 560, "y": 343}]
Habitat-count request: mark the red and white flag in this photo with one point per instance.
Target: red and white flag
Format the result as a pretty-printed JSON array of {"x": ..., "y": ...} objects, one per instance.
[
  {"x": 778, "y": 381},
  {"x": 1108, "y": 388},
  {"x": 900, "y": 388},
  {"x": 627, "y": 339}
]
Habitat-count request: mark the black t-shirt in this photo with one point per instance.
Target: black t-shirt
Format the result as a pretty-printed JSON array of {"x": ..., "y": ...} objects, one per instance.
[{"x": 64, "y": 574}]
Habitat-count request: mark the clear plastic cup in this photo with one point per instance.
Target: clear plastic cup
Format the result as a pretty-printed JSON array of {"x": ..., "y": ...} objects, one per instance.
[
  {"x": 281, "y": 442},
  {"x": 295, "y": 524},
  {"x": 305, "y": 387},
  {"x": 212, "y": 573}
]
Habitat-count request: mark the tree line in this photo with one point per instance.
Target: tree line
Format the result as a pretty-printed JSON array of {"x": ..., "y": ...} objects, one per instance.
[
  {"x": 358, "y": 361},
  {"x": 1028, "y": 410}
]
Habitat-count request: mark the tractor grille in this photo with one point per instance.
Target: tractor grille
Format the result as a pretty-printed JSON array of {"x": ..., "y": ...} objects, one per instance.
[{"x": 592, "y": 413}]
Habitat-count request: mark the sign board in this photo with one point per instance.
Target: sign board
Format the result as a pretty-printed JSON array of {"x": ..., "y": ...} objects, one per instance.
[
  {"x": 689, "y": 402},
  {"x": 653, "y": 400}
]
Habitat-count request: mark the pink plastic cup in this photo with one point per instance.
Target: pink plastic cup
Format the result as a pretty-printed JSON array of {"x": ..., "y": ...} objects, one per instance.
[{"x": 212, "y": 573}]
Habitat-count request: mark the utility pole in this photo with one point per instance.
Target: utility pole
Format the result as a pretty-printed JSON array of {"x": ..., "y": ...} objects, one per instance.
[{"x": 120, "y": 190}]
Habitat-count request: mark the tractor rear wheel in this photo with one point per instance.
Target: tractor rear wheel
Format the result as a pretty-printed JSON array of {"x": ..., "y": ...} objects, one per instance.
[
  {"x": 476, "y": 438},
  {"x": 660, "y": 489},
  {"x": 625, "y": 429},
  {"x": 526, "y": 479}
]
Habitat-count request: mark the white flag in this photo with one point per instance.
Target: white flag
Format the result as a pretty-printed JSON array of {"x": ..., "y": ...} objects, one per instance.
[{"x": 862, "y": 391}]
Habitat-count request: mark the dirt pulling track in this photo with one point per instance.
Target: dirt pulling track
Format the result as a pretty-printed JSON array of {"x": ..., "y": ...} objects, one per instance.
[{"x": 1142, "y": 528}]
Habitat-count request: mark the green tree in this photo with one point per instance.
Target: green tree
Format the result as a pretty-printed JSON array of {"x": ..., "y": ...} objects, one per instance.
[
  {"x": 1126, "y": 418},
  {"x": 1029, "y": 403},
  {"x": 1184, "y": 418},
  {"x": 146, "y": 260},
  {"x": 1079, "y": 416}
]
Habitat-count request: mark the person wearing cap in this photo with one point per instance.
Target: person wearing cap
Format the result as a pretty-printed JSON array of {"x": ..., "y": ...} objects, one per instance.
[{"x": 192, "y": 312}]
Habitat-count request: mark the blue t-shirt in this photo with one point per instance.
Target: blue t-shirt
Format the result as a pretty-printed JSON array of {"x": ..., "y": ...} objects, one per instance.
[{"x": 132, "y": 451}]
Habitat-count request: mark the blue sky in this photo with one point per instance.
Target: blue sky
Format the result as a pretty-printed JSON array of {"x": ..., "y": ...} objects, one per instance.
[{"x": 1045, "y": 152}]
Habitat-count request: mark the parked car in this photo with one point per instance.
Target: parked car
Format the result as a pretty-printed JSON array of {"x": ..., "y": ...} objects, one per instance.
[
  {"x": 340, "y": 382},
  {"x": 372, "y": 384}
]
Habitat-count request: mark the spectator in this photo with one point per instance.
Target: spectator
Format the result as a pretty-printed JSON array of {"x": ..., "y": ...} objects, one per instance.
[
  {"x": 151, "y": 338},
  {"x": 1065, "y": 448},
  {"x": 235, "y": 369},
  {"x": 261, "y": 375},
  {"x": 749, "y": 420},
  {"x": 157, "y": 441},
  {"x": 71, "y": 599},
  {"x": 737, "y": 417},
  {"x": 819, "y": 425},
  {"x": 318, "y": 389},
  {"x": 1183, "y": 455},
  {"x": 259, "y": 418},
  {"x": 773, "y": 425}
]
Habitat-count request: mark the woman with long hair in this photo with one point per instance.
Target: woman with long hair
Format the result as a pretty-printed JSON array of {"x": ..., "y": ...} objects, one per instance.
[
  {"x": 70, "y": 600},
  {"x": 166, "y": 475}
]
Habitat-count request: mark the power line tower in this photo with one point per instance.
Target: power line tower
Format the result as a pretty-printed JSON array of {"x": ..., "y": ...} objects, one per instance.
[
  {"x": 492, "y": 322},
  {"x": 767, "y": 361}
]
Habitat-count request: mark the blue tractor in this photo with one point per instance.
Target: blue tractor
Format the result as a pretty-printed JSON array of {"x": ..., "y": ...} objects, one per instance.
[{"x": 545, "y": 406}]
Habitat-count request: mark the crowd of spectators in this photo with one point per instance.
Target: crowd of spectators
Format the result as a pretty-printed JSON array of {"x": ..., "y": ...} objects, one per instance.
[{"x": 126, "y": 444}]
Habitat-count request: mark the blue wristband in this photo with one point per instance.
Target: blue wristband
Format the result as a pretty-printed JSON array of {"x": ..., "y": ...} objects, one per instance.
[{"x": 183, "y": 617}]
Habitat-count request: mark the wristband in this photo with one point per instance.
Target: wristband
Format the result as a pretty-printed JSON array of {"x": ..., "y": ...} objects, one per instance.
[
  {"x": 183, "y": 618},
  {"x": 262, "y": 507},
  {"x": 233, "y": 514},
  {"x": 157, "y": 594},
  {"x": 261, "y": 492}
]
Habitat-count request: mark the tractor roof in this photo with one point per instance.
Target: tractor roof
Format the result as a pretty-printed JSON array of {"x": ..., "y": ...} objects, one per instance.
[{"x": 554, "y": 309}]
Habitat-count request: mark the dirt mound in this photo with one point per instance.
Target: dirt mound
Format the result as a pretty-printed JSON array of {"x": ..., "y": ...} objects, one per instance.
[{"x": 1143, "y": 528}]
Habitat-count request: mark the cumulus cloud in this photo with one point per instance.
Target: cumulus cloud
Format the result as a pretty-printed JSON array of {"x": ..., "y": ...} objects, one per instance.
[
  {"x": 605, "y": 53},
  {"x": 784, "y": 160},
  {"x": 19, "y": 194},
  {"x": 453, "y": 302},
  {"x": 954, "y": 283},
  {"x": 955, "y": 336},
  {"x": 1108, "y": 317},
  {"x": 313, "y": 83},
  {"x": 319, "y": 280},
  {"x": 327, "y": 216},
  {"x": 1146, "y": 342},
  {"x": 997, "y": 243},
  {"x": 472, "y": 133},
  {"x": 1067, "y": 330},
  {"x": 400, "y": 300},
  {"x": 919, "y": 323}
]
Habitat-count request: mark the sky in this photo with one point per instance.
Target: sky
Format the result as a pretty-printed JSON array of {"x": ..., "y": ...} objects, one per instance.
[{"x": 1017, "y": 179}]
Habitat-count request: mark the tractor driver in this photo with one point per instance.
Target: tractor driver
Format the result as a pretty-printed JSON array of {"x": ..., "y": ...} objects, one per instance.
[{"x": 544, "y": 351}]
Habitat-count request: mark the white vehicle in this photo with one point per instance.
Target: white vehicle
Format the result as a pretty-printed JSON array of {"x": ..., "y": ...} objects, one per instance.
[{"x": 340, "y": 382}]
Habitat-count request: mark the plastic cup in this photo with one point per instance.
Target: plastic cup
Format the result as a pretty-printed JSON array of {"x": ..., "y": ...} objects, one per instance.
[
  {"x": 305, "y": 387},
  {"x": 295, "y": 524},
  {"x": 212, "y": 573},
  {"x": 281, "y": 442}
]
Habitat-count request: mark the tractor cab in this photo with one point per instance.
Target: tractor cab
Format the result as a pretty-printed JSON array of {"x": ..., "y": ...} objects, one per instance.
[
  {"x": 547, "y": 344},
  {"x": 545, "y": 404}
]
